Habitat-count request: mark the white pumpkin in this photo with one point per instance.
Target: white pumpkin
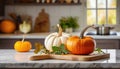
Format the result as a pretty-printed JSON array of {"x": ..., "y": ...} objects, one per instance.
[
  {"x": 56, "y": 39},
  {"x": 25, "y": 27}
]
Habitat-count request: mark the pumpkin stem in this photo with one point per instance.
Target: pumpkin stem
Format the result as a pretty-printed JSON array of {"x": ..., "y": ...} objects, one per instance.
[
  {"x": 82, "y": 33},
  {"x": 60, "y": 30},
  {"x": 23, "y": 38}
]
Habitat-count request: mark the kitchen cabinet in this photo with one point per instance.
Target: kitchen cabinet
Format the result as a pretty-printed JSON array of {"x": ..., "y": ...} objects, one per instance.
[
  {"x": 9, "y": 43},
  {"x": 2, "y": 7},
  {"x": 100, "y": 43},
  {"x": 42, "y": 2},
  {"x": 107, "y": 43}
]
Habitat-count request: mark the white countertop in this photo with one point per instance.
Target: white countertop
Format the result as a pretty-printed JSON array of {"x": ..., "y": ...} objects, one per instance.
[
  {"x": 43, "y": 35},
  {"x": 9, "y": 58}
]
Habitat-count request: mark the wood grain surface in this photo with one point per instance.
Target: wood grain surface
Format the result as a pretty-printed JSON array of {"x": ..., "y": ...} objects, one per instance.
[{"x": 71, "y": 57}]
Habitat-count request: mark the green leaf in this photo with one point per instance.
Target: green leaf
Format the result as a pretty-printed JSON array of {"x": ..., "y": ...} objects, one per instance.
[
  {"x": 62, "y": 47},
  {"x": 69, "y": 22},
  {"x": 65, "y": 52},
  {"x": 99, "y": 50},
  {"x": 55, "y": 48},
  {"x": 57, "y": 52},
  {"x": 59, "y": 49}
]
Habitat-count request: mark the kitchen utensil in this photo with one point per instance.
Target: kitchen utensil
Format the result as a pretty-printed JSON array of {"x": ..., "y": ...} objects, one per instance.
[
  {"x": 71, "y": 57},
  {"x": 103, "y": 30}
]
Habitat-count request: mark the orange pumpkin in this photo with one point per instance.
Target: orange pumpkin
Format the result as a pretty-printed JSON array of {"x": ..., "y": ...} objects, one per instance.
[
  {"x": 81, "y": 46},
  {"x": 22, "y": 46},
  {"x": 7, "y": 26}
]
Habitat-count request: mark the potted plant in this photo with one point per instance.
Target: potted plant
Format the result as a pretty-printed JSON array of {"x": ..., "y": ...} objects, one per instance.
[{"x": 69, "y": 23}]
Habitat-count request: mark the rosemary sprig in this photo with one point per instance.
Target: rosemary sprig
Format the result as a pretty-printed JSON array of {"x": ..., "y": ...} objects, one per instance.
[{"x": 99, "y": 50}]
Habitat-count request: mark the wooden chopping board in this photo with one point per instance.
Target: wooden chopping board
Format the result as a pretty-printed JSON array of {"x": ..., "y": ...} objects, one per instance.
[
  {"x": 42, "y": 22},
  {"x": 71, "y": 57}
]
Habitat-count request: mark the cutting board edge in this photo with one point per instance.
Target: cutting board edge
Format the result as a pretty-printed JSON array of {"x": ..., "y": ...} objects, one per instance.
[
  {"x": 85, "y": 58},
  {"x": 40, "y": 57},
  {"x": 103, "y": 56},
  {"x": 70, "y": 57}
]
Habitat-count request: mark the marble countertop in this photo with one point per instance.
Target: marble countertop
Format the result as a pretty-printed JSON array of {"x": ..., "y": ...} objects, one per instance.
[
  {"x": 9, "y": 58},
  {"x": 43, "y": 35}
]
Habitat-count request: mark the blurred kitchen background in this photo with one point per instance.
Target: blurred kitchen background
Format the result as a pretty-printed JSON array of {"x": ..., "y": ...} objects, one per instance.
[
  {"x": 57, "y": 11},
  {"x": 48, "y": 13}
]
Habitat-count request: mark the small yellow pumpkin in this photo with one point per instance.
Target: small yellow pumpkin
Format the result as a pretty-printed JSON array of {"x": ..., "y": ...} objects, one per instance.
[
  {"x": 22, "y": 46},
  {"x": 56, "y": 39}
]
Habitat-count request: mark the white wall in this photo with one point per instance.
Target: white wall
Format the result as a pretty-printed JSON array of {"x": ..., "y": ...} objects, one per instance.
[{"x": 55, "y": 12}]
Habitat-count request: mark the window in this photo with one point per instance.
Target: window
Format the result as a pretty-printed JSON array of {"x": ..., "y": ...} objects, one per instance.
[{"x": 101, "y": 12}]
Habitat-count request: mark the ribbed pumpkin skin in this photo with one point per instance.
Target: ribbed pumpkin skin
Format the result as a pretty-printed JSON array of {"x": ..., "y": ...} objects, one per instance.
[
  {"x": 7, "y": 26},
  {"x": 79, "y": 46},
  {"x": 56, "y": 39},
  {"x": 22, "y": 46}
]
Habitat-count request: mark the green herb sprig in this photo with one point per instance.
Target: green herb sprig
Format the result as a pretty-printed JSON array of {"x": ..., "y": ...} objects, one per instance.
[
  {"x": 59, "y": 50},
  {"x": 99, "y": 50},
  {"x": 39, "y": 48}
]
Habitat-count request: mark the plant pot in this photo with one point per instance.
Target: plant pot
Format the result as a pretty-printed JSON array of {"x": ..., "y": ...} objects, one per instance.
[{"x": 69, "y": 30}]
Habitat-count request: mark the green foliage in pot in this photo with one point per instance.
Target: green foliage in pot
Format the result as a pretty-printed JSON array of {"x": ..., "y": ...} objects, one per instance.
[{"x": 69, "y": 22}]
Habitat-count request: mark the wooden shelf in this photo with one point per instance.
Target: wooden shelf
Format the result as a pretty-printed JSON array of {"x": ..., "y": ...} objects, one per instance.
[
  {"x": 35, "y": 3},
  {"x": 45, "y": 4}
]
